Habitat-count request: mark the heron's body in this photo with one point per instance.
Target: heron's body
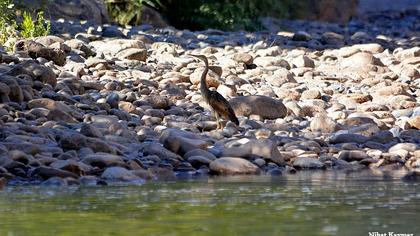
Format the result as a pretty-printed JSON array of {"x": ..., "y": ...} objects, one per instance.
[{"x": 219, "y": 105}]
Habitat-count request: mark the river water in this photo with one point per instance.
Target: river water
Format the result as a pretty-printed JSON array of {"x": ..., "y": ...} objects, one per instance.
[{"x": 307, "y": 203}]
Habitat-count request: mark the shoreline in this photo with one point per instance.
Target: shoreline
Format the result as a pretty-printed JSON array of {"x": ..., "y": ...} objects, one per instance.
[
  {"x": 399, "y": 175},
  {"x": 109, "y": 103}
]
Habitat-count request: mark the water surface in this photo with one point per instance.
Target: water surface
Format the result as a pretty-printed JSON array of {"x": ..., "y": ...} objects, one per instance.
[{"x": 308, "y": 203}]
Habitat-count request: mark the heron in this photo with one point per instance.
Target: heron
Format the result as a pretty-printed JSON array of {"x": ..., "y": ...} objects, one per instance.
[{"x": 220, "y": 107}]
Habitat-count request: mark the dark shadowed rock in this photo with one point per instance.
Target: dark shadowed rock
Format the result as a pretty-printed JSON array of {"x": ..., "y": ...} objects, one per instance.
[
  {"x": 24, "y": 146},
  {"x": 152, "y": 17},
  {"x": 58, "y": 115},
  {"x": 4, "y": 90},
  {"x": 35, "y": 71},
  {"x": 90, "y": 130},
  {"x": 159, "y": 102},
  {"x": 198, "y": 161},
  {"x": 3, "y": 182},
  {"x": 348, "y": 138},
  {"x": 100, "y": 145},
  {"x": 35, "y": 50},
  {"x": 49, "y": 104},
  {"x": 413, "y": 175},
  {"x": 71, "y": 166},
  {"x": 15, "y": 91},
  {"x": 301, "y": 36},
  {"x": 72, "y": 141},
  {"x": 48, "y": 172}
]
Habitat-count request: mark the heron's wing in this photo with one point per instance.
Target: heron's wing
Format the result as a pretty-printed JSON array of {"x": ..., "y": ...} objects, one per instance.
[{"x": 222, "y": 106}]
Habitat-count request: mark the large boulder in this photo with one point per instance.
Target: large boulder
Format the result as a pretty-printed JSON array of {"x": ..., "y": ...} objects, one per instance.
[
  {"x": 152, "y": 17},
  {"x": 116, "y": 173},
  {"x": 327, "y": 10},
  {"x": 307, "y": 163},
  {"x": 265, "y": 107},
  {"x": 93, "y": 10},
  {"x": 264, "y": 148},
  {"x": 115, "y": 46},
  {"x": 233, "y": 165},
  {"x": 181, "y": 142}
]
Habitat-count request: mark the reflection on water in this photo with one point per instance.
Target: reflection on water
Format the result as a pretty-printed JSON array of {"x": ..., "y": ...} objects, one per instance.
[{"x": 308, "y": 203}]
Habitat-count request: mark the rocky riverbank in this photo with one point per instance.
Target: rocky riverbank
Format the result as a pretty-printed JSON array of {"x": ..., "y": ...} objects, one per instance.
[{"x": 95, "y": 104}]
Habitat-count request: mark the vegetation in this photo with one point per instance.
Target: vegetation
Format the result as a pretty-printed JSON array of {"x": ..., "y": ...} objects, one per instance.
[
  {"x": 8, "y": 24},
  {"x": 201, "y": 14},
  {"x": 220, "y": 14},
  {"x": 128, "y": 12},
  {"x": 189, "y": 14},
  {"x": 13, "y": 20},
  {"x": 31, "y": 28}
]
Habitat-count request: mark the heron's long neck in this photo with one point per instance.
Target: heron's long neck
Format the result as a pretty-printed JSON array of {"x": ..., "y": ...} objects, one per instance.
[{"x": 203, "y": 84}]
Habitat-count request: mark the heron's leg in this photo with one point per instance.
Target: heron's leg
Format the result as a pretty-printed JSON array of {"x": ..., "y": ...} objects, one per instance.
[
  {"x": 217, "y": 120},
  {"x": 213, "y": 113},
  {"x": 221, "y": 122}
]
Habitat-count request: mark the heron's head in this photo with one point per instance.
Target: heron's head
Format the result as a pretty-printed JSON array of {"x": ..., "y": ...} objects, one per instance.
[{"x": 201, "y": 57}]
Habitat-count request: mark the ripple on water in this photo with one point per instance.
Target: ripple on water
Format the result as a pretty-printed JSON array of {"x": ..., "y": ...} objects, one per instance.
[
  {"x": 364, "y": 207},
  {"x": 330, "y": 229},
  {"x": 299, "y": 206}
]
